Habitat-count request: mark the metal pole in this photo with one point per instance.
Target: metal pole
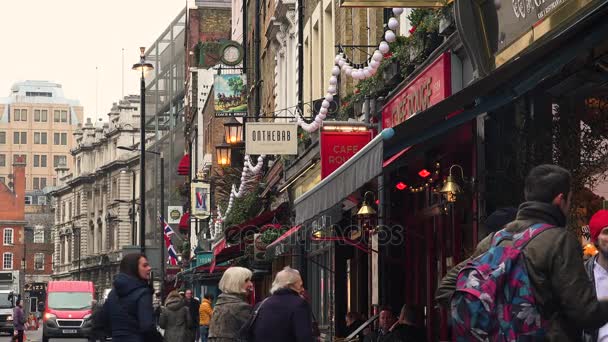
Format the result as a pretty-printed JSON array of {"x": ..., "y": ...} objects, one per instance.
[
  {"x": 162, "y": 208},
  {"x": 133, "y": 231},
  {"x": 142, "y": 165},
  {"x": 79, "y": 246}
]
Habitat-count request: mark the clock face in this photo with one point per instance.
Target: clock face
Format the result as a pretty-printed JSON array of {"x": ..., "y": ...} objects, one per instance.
[{"x": 231, "y": 54}]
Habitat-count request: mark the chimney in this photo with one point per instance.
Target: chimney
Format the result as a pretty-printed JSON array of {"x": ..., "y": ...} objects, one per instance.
[{"x": 19, "y": 182}]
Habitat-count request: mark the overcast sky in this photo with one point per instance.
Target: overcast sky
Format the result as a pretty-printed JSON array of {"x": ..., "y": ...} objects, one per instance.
[{"x": 64, "y": 41}]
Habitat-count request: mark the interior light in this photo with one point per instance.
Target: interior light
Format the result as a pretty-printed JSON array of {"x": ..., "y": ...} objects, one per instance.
[
  {"x": 401, "y": 186},
  {"x": 424, "y": 173}
]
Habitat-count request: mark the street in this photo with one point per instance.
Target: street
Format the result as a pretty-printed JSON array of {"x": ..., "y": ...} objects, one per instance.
[{"x": 36, "y": 336}]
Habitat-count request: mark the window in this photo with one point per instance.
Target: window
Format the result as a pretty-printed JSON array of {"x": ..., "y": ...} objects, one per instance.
[
  {"x": 36, "y": 183},
  {"x": 20, "y": 138},
  {"x": 39, "y": 233},
  {"x": 28, "y": 199},
  {"x": 40, "y": 160},
  {"x": 59, "y": 161},
  {"x": 56, "y": 116},
  {"x": 8, "y": 236},
  {"x": 20, "y": 115},
  {"x": 43, "y": 162},
  {"x": 3, "y": 180},
  {"x": 8, "y": 261},
  {"x": 42, "y": 182},
  {"x": 40, "y": 138},
  {"x": 36, "y": 160},
  {"x": 64, "y": 138},
  {"x": 70, "y": 209},
  {"x": 2, "y": 159},
  {"x": 17, "y": 156},
  {"x": 36, "y": 115},
  {"x": 41, "y": 115},
  {"x": 78, "y": 166},
  {"x": 60, "y": 116},
  {"x": 41, "y": 200},
  {"x": 39, "y": 261},
  {"x": 2, "y": 137},
  {"x": 64, "y": 116}
]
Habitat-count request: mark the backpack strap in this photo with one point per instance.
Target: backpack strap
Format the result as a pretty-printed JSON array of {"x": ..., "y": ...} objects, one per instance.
[
  {"x": 520, "y": 240},
  {"x": 500, "y": 236}
]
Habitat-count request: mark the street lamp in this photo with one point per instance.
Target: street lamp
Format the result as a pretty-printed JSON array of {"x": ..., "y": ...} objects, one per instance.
[
  {"x": 223, "y": 153},
  {"x": 142, "y": 67},
  {"x": 233, "y": 131}
]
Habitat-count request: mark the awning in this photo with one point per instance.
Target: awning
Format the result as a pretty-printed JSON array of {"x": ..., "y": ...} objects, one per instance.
[
  {"x": 287, "y": 236},
  {"x": 222, "y": 253},
  {"x": 350, "y": 176},
  {"x": 235, "y": 233},
  {"x": 184, "y": 222},
  {"x": 183, "y": 168},
  {"x": 507, "y": 83}
]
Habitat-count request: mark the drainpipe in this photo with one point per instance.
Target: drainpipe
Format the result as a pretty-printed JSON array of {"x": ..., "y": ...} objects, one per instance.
[
  {"x": 301, "y": 56},
  {"x": 256, "y": 39}
]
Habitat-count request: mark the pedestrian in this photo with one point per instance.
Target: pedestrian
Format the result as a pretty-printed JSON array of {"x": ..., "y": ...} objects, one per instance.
[
  {"x": 495, "y": 222},
  {"x": 231, "y": 310},
  {"x": 175, "y": 319},
  {"x": 353, "y": 322},
  {"x": 128, "y": 308},
  {"x": 408, "y": 328},
  {"x": 205, "y": 312},
  {"x": 193, "y": 305},
  {"x": 18, "y": 322},
  {"x": 285, "y": 315},
  {"x": 553, "y": 261},
  {"x": 386, "y": 321},
  {"x": 98, "y": 332},
  {"x": 156, "y": 305},
  {"x": 597, "y": 268}
]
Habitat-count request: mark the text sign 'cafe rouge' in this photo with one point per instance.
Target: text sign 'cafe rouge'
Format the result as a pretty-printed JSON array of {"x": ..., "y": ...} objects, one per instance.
[{"x": 431, "y": 86}]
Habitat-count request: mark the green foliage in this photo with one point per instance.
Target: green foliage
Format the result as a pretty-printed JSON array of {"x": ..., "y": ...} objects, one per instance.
[
  {"x": 236, "y": 85},
  {"x": 243, "y": 208},
  {"x": 270, "y": 235}
]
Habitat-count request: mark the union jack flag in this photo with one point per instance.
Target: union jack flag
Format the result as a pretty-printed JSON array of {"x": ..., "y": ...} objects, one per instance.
[{"x": 168, "y": 231}]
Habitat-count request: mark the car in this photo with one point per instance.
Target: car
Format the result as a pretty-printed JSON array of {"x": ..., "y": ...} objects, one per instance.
[{"x": 68, "y": 310}]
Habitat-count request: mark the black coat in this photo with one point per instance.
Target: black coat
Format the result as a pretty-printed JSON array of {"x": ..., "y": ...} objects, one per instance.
[
  {"x": 284, "y": 316},
  {"x": 129, "y": 310},
  {"x": 194, "y": 305}
]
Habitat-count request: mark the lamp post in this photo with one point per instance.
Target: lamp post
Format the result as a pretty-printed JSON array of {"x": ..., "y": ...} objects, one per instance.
[{"x": 143, "y": 67}]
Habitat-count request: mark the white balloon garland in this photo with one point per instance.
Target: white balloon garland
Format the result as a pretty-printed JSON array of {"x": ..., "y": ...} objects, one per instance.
[{"x": 342, "y": 65}]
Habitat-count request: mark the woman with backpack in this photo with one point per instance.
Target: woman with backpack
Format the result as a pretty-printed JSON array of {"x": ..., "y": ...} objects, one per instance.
[
  {"x": 231, "y": 310},
  {"x": 175, "y": 318},
  {"x": 128, "y": 310}
]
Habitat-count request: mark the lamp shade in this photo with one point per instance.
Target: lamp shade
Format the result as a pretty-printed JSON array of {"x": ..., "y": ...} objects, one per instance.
[
  {"x": 233, "y": 131},
  {"x": 143, "y": 66},
  {"x": 223, "y": 154},
  {"x": 450, "y": 189},
  {"x": 366, "y": 210}
]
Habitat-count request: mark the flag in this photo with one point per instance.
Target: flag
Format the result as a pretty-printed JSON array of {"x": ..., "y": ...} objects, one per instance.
[{"x": 168, "y": 231}]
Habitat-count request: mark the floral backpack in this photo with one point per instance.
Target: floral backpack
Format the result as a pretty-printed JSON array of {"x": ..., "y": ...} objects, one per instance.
[{"x": 493, "y": 300}]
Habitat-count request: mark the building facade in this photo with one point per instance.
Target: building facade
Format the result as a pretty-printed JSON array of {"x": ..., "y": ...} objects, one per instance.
[
  {"x": 37, "y": 121},
  {"x": 95, "y": 203}
]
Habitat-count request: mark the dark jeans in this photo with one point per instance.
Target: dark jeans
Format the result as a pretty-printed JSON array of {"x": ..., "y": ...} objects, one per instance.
[
  {"x": 19, "y": 336},
  {"x": 204, "y": 332}
]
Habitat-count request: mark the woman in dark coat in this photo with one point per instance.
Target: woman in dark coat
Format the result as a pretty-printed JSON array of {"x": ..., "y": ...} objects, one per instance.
[
  {"x": 231, "y": 311},
  {"x": 128, "y": 309},
  {"x": 285, "y": 315},
  {"x": 175, "y": 318}
]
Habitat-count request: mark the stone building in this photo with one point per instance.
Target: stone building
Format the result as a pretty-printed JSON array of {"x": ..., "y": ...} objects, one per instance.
[{"x": 94, "y": 201}]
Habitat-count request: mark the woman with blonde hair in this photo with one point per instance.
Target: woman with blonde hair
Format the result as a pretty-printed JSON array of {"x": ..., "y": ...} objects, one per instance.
[{"x": 231, "y": 310}]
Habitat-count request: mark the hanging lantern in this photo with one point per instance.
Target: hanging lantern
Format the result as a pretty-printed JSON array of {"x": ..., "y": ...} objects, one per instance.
[
  {"x": 223, "y": 153},
  {"x": 451, "y": 188},
  {"x": 367, "y": 214},
  {"x": 233, "y": 131}
]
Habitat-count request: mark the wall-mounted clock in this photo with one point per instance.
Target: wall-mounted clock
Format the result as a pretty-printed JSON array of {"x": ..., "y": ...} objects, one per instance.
[{"x": 231, "y": 53}]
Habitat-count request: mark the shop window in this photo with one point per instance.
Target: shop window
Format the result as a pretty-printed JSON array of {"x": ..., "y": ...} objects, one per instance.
[{"x": 8, "y": 261}]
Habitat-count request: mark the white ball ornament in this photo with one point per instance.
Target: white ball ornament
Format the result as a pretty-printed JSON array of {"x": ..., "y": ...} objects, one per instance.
[
  {"x": 335, "y": 71},
  {"x": 337, "y": 59},
  {"x": 377, "y": 56},
  {"x": 393, "y": 24},
  {"x": 331, "y": 89},
  {"x": 318, "y": 120},
  {"x": 384, "y": 48},
  {"x": 341, "y": 63},
  {"x": 367, "y": 73},
  {"x": 349, "y": 71},
  {"x": 325, "y": 104},
  {"x": 329, "y": 97},
  {"x": 333, "y": 80},
  {"x": 323, "y": 111},
  {"x": 373, "y": 71},
  {"x": 397, "y": 11},
  {"x": 322, "y": 116},
  {"x": 390, "y": 36},
  {"x": 374, "y": 64},
  {"x": 356, "y": 74}
]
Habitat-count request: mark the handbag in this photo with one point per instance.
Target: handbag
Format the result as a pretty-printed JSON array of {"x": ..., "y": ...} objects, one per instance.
[{"x": 246, "y": 331}]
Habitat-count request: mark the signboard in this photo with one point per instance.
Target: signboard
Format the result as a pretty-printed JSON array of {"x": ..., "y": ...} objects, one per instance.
[
  {"x": 497, "y": 31},
  {"x": 432, "y": 85},
  {"x": 230, "y": 95},
  {"x": 175, "y": 214},
  {"x": 271, "y": 138},
  {"x": 338, "y": 147},
  {"x": 200, "y": 199},
  {"x": 6, "y": 276}
]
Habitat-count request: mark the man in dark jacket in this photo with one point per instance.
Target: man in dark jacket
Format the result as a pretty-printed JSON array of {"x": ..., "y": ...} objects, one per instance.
[
  {"x": 285, "y": 315},
  {"x": 407, "y": 327},
  {"x": 553, "y": 259},
  {"x": 193, "y": 305},
  {"x": 386, "y": 321},
  {"x": 597, "y": 267}
]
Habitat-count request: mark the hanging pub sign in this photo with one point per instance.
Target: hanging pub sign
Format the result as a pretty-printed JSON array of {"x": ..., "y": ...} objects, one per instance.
[
  {"x": 271, "y": 138},
  {"x": 200, "y": 199},
  {"x": 495, "y": 31},
  {"x": 337, "y": 147},
  {"x": 230, "y": 95},
  {"x": 432, "y": 85},
  {"x": 175, "y": 214}
]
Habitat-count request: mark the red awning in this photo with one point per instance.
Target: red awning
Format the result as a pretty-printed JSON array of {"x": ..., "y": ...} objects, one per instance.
[
  {"x": 395, "y": 157},
  {"x": 221, "y": 253},
  {"x": 183, "y": 168},
  {"x": 254, "y": 225},
  {"x": 287, "y": 234},
  {"x": 184, "y": 222}
]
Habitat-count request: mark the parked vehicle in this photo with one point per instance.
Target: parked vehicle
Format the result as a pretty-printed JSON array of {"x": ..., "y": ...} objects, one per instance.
[
  {"x": 68, "y": 309},
  {"x": 7, "y": 303}
]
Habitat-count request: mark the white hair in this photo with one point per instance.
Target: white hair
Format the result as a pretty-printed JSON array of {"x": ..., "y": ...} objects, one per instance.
[
  {"x": 233, "y": 280},
  {"x": 288, "y": 276}
]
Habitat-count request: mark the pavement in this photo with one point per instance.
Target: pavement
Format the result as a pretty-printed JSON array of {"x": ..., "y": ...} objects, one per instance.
[{"x": 36, "y": 336}]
